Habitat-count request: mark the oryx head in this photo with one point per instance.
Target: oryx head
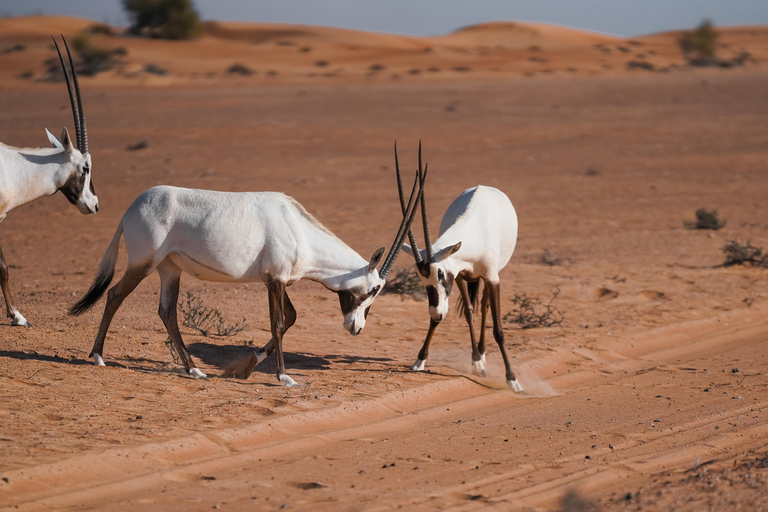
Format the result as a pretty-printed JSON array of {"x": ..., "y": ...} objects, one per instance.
[
  {"x": 78, "y": 187},
  {"x": 365, "y": 284},
  {"x": 432, "y": 270}
]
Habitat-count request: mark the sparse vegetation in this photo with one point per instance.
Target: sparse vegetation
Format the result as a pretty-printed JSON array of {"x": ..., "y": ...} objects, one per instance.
[
  {"x": 744, "y": 254},
  {"x": 205, "y": 320},
  {"x": 640, "y": 64},
  {"x": 530, "y": 312},
  {"x": 548, "y": 259},
  {"x": 462, "y": 69},
  {"x": 93, "y": 59},
  {"x": 100, "y": 28},
  {"x": 705, "y": 219},
  {"x": 163, "y": 19},
  {"x": 322, "y": 63},
  {"x": 698, "y": 46},
  {"x": 405, "y": 282},
  {"x": 239, "y": 69},
  {"x": 155, "y": 70},
  {"x": 18, "y": 47},
  {"x": 376, "y": 67}
]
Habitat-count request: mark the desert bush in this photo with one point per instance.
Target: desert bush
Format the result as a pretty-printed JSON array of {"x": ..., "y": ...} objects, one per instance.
[
  {"x": 699, "y": 44},
  {"x": 744, "y": 254},
  {"x": 18, "y": 47},
  {"x": 530, "y": 312},
  {"x": 239, "y": 69},
  {"x": 93, "y": 59},
  {"x": 705, "y": 219},
  {"x": 100, "y": 28},
  {"x": 377, "y": 67},
  {"x": 548, "y": 259},
  {"x": 406, "y": 282},
  {"x": 640, "y": 64},
  {"x": 155, "y": 70},
  {"x": 163, "y": 19},
  {"x": 205, "y": 320}
]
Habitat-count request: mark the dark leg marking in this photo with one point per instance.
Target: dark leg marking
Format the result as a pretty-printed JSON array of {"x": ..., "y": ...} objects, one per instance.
[
  {"x": 115, "y": 297},
  {"x": 494, "y": 290},
  {"x": 469, "y": 316},
  {"x": 170, "y": 277},
  {"x": 10, "y": 308},
  {"x": 483, "y": 319},
  {"x": 277, "y": 317}
]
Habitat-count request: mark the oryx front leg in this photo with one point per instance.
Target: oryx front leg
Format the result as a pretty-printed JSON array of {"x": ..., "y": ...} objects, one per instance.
[
  {"x": 424, "y": 352},
  {"x": 478, "y": 361},
  {"x": 170, "y": 276},
  {"x": 498, "y": 334},
  {"x": 277, "y": 316},
  {"x": 115, "y": 297},
  {"x": 13, "y": 313}
]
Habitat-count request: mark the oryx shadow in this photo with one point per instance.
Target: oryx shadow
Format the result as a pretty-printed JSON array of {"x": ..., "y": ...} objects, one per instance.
[{"x": 45, "y": 358}]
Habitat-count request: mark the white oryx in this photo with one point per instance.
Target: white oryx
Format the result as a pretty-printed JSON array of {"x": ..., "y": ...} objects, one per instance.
[
  {"x": 263, "y": 237},
  {"x": 27, "y": 173},
  {"x": 478, "y": 234}
]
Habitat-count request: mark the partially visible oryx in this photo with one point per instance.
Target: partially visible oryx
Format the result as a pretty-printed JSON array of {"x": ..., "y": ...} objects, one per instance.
[
  {"x": 478, "y": 234},
  {"x": 237, "y": 237},
  {"x": 26, "y": 174}
]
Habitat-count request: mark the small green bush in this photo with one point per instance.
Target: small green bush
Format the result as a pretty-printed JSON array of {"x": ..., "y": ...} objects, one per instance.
[
  {"x": 699, "y": 44},
  {"x": 163, "y": 19}
]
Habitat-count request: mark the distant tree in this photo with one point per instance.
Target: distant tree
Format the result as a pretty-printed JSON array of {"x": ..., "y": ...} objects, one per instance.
[
  {"x": 699, "y": 44},
  {"x": 164, "y": 19}
]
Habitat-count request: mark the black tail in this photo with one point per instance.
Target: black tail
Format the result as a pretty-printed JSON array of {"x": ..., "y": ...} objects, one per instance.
[
  {"x": 102, "y": 279},
  {"x": 473, "y": 287}
]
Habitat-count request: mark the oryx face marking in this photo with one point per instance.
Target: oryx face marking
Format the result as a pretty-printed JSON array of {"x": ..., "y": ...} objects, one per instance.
[
  {"x": 438, "y": 283},
  {"x": 355, "y": 302},
  {"x": 78, "y": 189}
]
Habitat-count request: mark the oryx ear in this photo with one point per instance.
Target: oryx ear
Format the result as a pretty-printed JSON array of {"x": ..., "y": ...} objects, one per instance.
[
  {"x": 444, "y": 253},
  {"x": 53, "y": 140},
  {"x": 66, "y": 141},
  {"x": 376, "y": 258},
  {"x": 407, "y": 250}
]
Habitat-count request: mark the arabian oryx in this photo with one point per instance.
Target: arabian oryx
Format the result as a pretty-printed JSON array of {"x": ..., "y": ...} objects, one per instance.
[
  {"x": 26, "y": 174},
  {"x": 263, "y": 237},
  {"x": 477, "y": 237}
]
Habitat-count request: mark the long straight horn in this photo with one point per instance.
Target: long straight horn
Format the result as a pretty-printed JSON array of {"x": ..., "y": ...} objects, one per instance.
[
  {"x": 411, "y": 237},
  {"x": 424, "y": 218},
  {"x": 83, "y": 140},
  {"x": 405, "y": 225},
  {"x": 72, "y": 101}
]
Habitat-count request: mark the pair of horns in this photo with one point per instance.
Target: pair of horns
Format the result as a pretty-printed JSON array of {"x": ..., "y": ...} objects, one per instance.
[
  {"x": 409, "y": 213},
  {"x": 74, "y": 98},
  {"x": 422, "y": 175}
]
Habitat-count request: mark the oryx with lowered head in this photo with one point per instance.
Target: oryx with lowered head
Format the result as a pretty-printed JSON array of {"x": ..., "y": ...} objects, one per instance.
[
  {"x": 237, "y": 237},
  {"x": 478, "y": 234},
  {"x": 27, "y": 173}
]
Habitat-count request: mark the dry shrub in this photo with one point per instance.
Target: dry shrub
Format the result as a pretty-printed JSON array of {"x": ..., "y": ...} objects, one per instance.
[
  {"x": 163, "y": 19},
  {"x": 240, "y": 69},
  {"x": 705, "y": 219},
  {"x": 573, "y": 502},
  {"x": 406, "y": 282},
  {"x": 205, "y": 320},
  {"x": 744, "y": 254},
  {"x": 530, "y": 312}
]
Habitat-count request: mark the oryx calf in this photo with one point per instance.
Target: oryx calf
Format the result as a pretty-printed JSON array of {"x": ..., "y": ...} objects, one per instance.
[
  {"x": 264, "y": 237},
  {"x": 26, "y": 174},
  {"x": 478, "y": 234}
]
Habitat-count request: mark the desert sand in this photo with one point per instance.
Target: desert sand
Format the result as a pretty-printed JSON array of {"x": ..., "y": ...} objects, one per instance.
[{"x": 648, "y": 396}]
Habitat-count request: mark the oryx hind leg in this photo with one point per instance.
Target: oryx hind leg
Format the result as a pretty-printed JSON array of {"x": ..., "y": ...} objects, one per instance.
[
  {"x": 494, "y": 291},
  {"x": 483, "y": 319},
  {"x": 13, "y": 313},
  {"x": 134, "y": 274},
  {"x": 170, "y": 277}
]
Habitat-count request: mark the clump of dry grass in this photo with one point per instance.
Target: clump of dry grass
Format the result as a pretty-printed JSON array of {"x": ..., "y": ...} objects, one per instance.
[
  {"x": 406, "y": 282},
  {"x": 205, "y": 320},
  {"x": 530, "y": 312},
  {"x": 705, "y": 219},
  {"x": 744, "y": 254}
]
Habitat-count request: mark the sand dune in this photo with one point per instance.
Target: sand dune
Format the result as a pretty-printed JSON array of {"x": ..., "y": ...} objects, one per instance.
[{"x": 300, "y": 53}]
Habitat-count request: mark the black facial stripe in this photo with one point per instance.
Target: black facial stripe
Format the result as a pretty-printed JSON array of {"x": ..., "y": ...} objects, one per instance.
[
  {"x": 348, "y": 301},
  {"x": 432, "y": 296},
  {"x": 448, "y": 284},
  {"x": 73, "y": 186}
]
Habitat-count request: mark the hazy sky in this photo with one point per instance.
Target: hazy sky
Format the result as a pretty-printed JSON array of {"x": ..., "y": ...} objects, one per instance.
[{"x": 429, "y": 17}]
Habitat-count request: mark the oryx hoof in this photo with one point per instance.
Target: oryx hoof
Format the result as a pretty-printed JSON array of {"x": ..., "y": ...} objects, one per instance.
[
  {"x": 98, "y": 360},
  {"x": 515, "y": 386},
  {"x": 197, "y": 374},
  {"x": 418, "y": 366},
  {"x": 289, "y": 382},
  {"x": 478, "y": 368},
  {"x": 18, "y": 319}
]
